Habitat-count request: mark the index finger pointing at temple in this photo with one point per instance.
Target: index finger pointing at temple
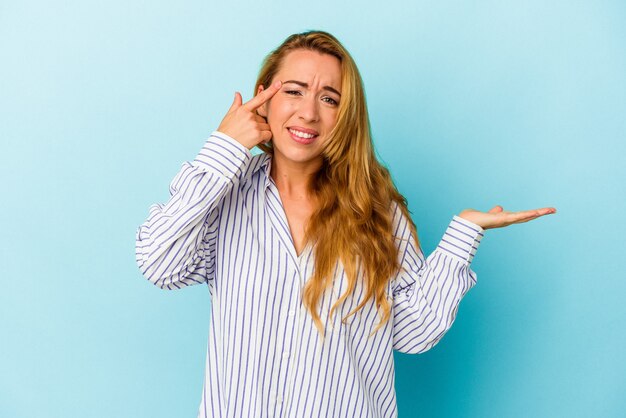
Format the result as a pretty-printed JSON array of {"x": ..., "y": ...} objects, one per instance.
[{"x": 258, "y": 100}]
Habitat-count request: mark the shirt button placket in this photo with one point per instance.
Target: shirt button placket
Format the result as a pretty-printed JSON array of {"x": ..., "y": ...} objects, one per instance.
[
  {"x": 279, "y": 401},
  {"x": 294, "y": 314}
]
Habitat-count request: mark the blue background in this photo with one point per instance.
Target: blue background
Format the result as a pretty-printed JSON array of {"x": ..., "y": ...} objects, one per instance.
[{"x": 472, "y": 104}]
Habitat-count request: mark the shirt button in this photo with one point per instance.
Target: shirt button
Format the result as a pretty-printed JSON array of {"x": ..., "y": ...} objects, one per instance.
[
  {"x": 292, "y": 313},
  {"x": 285, "y": 355},
  {"x": 279, "y": 398}
]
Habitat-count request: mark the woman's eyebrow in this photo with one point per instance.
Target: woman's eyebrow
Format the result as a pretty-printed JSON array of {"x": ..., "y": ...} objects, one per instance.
[{"x": 306, "y": 86}]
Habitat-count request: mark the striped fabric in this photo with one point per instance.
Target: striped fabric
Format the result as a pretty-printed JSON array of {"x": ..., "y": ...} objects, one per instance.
[{"x": 224, "y": 225}]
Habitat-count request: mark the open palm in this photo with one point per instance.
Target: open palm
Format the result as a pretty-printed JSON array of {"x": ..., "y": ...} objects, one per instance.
[{"x": 497, "y": 217}]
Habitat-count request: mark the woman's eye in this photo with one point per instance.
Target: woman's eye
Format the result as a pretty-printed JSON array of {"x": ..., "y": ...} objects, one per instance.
[
  {"x": 292, "y": 92},
  {"x": 330, "y": 100}
]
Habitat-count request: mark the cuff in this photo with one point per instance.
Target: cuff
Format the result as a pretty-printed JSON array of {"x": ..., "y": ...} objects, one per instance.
[
  {"x": 461, "y": 239},
  {"x": 223, "y": 154}
]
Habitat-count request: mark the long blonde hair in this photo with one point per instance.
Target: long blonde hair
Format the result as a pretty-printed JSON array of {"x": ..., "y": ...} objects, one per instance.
[{"x": 353, "y": 221}]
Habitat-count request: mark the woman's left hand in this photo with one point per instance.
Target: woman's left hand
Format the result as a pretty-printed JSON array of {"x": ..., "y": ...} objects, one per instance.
[{"x": 497, "y": 217}]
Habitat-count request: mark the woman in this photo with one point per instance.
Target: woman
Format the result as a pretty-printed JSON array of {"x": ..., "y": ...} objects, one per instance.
[{"x": 309, "y": 238}]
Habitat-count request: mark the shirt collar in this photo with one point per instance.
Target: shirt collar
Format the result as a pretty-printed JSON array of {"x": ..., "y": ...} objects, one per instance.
[{"x": 266, "y": 165}]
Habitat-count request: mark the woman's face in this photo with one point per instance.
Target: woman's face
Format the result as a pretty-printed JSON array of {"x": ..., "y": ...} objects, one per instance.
[{"x": 303, "y": 112}]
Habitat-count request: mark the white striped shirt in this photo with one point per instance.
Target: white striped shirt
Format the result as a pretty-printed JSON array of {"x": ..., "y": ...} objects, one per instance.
[{"x": 224, "y": 225}]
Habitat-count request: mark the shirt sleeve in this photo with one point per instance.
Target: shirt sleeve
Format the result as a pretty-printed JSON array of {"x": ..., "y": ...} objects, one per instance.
[
  {"x": 426, "y": 292},
  {"x": 174, "y": 247}
]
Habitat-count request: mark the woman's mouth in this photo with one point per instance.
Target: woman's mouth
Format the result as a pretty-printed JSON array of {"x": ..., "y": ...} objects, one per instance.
[{"x": 303, "y": 136}]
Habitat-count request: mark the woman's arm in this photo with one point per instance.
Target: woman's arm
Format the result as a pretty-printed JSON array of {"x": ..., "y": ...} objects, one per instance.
[
  {"x": 427, "y": 292},
  {"x": 175, "y": 245}
]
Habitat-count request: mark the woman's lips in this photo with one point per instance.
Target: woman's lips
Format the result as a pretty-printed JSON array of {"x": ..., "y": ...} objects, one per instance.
[{"x": 302, "y": 135}]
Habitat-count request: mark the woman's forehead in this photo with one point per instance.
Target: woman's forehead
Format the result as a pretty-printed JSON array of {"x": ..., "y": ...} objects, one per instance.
[{"x": 311, "y": 67}]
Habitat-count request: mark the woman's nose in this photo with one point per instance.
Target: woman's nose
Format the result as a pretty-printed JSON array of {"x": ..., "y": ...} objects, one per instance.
[{"x": 308, "y": 109}]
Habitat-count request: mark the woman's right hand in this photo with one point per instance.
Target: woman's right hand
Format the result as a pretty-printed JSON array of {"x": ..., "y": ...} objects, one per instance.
[{"x": 244, "y": 124}]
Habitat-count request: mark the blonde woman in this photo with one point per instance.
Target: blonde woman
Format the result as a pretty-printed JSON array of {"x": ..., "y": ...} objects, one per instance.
[{"x": 312, "y": 261}]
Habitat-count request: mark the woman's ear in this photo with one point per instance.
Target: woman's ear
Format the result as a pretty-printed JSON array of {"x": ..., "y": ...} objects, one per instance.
[{"x": 262, "y": 110}]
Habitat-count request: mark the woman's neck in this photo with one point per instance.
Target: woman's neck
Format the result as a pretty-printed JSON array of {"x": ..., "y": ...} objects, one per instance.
[{"x": 293, "y": 179}]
